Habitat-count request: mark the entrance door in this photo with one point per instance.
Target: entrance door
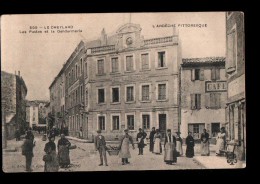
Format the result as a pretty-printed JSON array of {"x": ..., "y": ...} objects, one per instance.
[
  {"x": 162, "y": 124},
  {"x": 215, "y": 127}
]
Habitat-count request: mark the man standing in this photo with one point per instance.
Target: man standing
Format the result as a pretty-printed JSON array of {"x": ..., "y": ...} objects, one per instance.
[
  {"x": 151, "y": 137},
  {"x": 170, "y": 155},
  {"x": 100, "y": 145},
  {"x": 204, "y": 143},
  {"x": 124, "y": 147},
  {"x": 140, "y": 138},
  {"x": 27, "y": 151}
]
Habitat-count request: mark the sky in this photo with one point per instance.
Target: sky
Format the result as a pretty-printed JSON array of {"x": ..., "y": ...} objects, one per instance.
[{"x": 40, "y": 56}]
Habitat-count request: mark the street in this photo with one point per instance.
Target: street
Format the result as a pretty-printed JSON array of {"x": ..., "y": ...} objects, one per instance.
[{"x": 85, "y": 158}]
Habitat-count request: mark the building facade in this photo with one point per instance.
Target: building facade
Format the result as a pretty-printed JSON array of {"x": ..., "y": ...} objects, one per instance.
[
  {"x": 131, "y": 82},
  {"x": 13, "y": 92},
  {"x": 203, "y": 95},
  {"x": 235, "y": 68}
]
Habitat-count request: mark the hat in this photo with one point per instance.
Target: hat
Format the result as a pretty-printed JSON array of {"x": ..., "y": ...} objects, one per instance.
[
  {"x": 140, "y": 129},
  {"x": 126, "y": 130},
  {"x": 98, "y": 131}
]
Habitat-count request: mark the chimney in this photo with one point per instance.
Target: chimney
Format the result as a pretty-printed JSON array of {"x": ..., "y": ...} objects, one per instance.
[
  {"x": 103, "y": 37},
  {"x": 19, "y": 73}
]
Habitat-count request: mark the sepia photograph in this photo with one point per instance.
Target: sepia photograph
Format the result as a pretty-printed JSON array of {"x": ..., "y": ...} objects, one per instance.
[{"x": 123, "y": 91}]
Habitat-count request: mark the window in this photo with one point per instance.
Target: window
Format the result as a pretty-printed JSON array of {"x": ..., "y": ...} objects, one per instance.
[
  {"x": 161, "y": 59},
  {"x": 215, "y": 127},
  {"x": 76, "y": 71},
  {"x": 86, "y": 102},
  {"x": 146, "y": 121},
  {"x": 114, "y": 63},
  {"x": 101, "y": 95},
  {"x": 101, "y": 123},
  {"x": 145, "y": 92},
  {"x": 130, "y": 93},
  {"x": 145, "y": 61},
  {"x": 101, "y": 66},
  {"x": 197, "y": 74},
  {"x": 82, "y": 120},
  {"x": 196, "y": 129},
  {"x": 72, "y": 76},
  {"x": 76, "y": 100},
  {"x": 215, "y": 102},
  {"x": 81, "y": 66},
  {"x": 115, "y": 120},
  {"x": 69, "y": 82},
  {"x": 130, "y": 122},
  {"x": 86, "y": 69},
  {"x": 195, "y": 101},
  {"x": 115, "y": 94},
  {"x": 231, "y": 51},
  {"x": 129, "y": 63},
  {"x": 81, "y": 94},
  {"x": 215, "y": 74},
  {"x": 161, "y": 91}
]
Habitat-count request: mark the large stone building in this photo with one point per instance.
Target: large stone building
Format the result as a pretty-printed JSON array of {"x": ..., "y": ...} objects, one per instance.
[
  {"x": 203, "y": 95},
  {"x": 131, "y": 82},
  {"x": 13, "y": 93},
  {"x": 235, "y": 68}
]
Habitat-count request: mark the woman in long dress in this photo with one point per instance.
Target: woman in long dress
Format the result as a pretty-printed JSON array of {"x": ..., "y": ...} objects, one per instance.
[
  {"x": 157, "y": 142},
  {"x": 204, "y": 143},
  {"x": 221, "y": 139},
  {"x": 63, "y": 151},
  {"x": 170, "y": 155},
  {"x": 190, "y": 146},
  {"x": 124, "y": 152},
  {"x": 51, "y": 165},
  {"x": 179, "y": 144}
]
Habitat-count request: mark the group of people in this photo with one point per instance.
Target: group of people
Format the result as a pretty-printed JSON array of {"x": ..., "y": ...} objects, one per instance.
[{"x": 53, "y": 160}]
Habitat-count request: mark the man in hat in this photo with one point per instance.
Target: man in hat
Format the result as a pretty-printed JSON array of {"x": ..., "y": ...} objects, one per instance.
[
  {"x": 100, "y": 145},
  {"x": 151, "y": 137},
  {"x": 124, "y": 147},
  {"x": 140, "y": 138}
]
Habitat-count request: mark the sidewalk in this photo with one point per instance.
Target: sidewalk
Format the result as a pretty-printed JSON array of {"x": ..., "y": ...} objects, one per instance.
[
  {"x": 216, "y": 162},
  {"x": 79, "y": 140}
]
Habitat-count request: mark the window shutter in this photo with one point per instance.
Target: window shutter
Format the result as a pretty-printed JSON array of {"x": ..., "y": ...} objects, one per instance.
[
  {"x": 190, "y": 128},
  {"x": 218, "y": 100},
  {"x": 217, "y": 74},
  {"x": 207, "y": 100},
  {"x": 212, "y": 100},
  {"x": 201, "y": 74},
  {"x": 213, "y": 74},
  {"x": 192, "y": 98},
  {"x": 198, "y": 101},
  {"x": 193, "y": 74}
]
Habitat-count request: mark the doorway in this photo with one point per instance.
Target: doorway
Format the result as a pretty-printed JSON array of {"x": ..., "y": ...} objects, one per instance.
[{"x": 162, "y": 124}]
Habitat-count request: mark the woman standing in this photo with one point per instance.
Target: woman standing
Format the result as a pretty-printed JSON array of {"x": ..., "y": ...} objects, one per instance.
[
  {"x": 124, "y": 152},
  {"x": 190, "y": 146},
  {"x": 221, "y": 139},
  {"x": 170, "y": 155},
  {"x": 52, "y": 164},
  {"x": 179, "y": 144},
  {"x": 157, "y": 142},
  {"x": 204, "y": 143},
  {"x": 63, "y": 151}
]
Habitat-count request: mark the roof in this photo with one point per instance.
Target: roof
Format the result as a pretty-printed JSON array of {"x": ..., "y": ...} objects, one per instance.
[{"x": 205, "y": 60}]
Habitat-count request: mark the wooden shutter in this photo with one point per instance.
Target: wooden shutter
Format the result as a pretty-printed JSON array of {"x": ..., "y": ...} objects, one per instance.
[
  {"x": 212, "y": 100},
  {"x": 201, "y": 74},
  {"x": 213, "y": 74},
  {"x": 193, "y": 74},
  {"x": 198, "y": 96},
  {"x": 217, "y": 74},
  {"x": 192, "y": 99},
  {"x": 207, "y": 100}
]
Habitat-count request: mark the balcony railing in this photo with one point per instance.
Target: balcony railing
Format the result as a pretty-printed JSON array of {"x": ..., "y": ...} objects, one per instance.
[
  {"x": 158, "y": 40},
  {"x": 107, "y": 48}
]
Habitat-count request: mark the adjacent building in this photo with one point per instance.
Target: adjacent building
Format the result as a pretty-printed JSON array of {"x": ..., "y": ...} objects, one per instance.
[
  {"x": 13, "y": 92},
  {"x": 203, "y": 95},
  {"x": 235, "y": 68}
]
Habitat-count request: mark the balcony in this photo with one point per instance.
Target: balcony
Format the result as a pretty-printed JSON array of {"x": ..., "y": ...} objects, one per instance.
[
  {"x": 107, "y": 48},
  {"x": 158, "y": 40}
]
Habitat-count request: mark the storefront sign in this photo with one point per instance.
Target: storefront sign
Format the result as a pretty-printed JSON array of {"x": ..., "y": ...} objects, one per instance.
[{"x": 216, "y": 86}]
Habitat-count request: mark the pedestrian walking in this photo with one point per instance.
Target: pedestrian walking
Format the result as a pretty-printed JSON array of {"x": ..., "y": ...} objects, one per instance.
[
  {"x": 221, "y": 140},
  {"x": 80, "y": 133},
  {"x": 170, "y": 155},
  {"x": 100, "y": 145},
  {"x": 190, "y": 145},
  {"x": 50, "y": 159},
  {"x": 179, "y": 144},
  {"x": 17, "y": 135},
  {"x": 151, "y": 138},
  {"x": 157, "y": 142},
  {"x": 205, "y": 143},
  {"x": 27, "y": 151},
  {"x": 63, "y": 152},
  {"x": 124, "y": 152},
  {"x": 30, "y": 134},
  {"x": 140, "y": 138}
]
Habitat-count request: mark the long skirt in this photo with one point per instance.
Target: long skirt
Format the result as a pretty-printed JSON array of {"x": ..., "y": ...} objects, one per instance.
[
  {"x": 190, "y": 151},
  {"x": 179, "y": 148},
  {"x": 124, "y": 151},
  {"x": 64, "y": 157},
  {"x": 53, "y": 165},
  {"x": 205, "y": 148},
  {"x": 220, "y": 146},
  {"x": 157, "y": 146},
  {"x": 170, "y": 154}
]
